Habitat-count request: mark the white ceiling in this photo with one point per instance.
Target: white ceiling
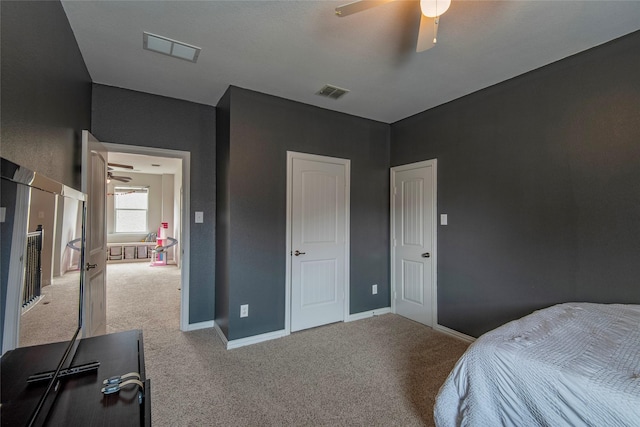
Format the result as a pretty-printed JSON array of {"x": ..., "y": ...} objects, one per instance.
[
  {"x": 292, "y": 48},
  {"x": 143, "y": 163}
]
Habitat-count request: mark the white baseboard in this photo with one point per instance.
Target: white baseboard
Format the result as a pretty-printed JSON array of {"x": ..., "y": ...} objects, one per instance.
[
  {"x": 201, "y": 325},
  {"x": 454, "y": 333},
  {"x": 367, "y": 314},
  {"x": 249, "y": 340},
  {"x": 31, "y": 304},
  {"x": 254, "y": 339},
  {"x": 220, "y": 334},
  {"x": 283, "y": 333}
]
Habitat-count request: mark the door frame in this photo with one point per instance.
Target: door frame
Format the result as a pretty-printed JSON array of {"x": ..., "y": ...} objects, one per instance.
[
  {"x": 185, "y": 216},
  {"x": 434, "y": 230},
  {"x": 15, "y": 283},
  {"x": 347, "y": 194}
]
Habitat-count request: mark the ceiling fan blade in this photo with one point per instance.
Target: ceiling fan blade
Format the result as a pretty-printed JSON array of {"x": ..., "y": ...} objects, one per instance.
[
  {"x": 427, "y": 33},
  {"x": 121, "y": 178},
  {"x": 359, "y": 6},
  {"x": 119, "y": 165}
]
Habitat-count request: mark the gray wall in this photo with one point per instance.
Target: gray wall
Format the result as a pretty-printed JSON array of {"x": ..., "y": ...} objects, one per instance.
[
  {"x": 262, "y": 129},
  {"x": 123, "y": 116},
  {"x": 46, "y": 90},
  {"x": 45, "y": 97},
  {"x": 540, "y": 177}
]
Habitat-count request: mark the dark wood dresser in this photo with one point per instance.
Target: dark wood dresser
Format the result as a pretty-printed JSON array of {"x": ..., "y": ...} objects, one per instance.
[{"x": 79, "y": 401}]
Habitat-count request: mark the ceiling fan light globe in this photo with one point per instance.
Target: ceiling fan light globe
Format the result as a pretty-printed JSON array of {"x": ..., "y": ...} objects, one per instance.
[{"x": 434, "y": 8}]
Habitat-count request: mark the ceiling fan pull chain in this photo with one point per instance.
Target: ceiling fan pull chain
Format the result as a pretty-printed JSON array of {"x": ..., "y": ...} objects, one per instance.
[
  {"x": 435, "y": 30},
  {"x": 435, "y": 25}
]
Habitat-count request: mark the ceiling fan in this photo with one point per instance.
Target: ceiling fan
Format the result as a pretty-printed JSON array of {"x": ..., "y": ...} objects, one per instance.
[
  {"x": 111, "y": 176},
  {"x": 429, "y": 19}
]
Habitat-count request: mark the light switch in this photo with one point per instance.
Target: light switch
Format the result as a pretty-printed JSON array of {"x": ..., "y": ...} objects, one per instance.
[
  {"x": 199, "y": 217},
  {"x": 443, "y": 219}
]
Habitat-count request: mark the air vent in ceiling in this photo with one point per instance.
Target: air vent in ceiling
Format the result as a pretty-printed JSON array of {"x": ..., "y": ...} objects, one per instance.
[
  {"x": 332, "y": 92},
  {"x": 170, "y": 47}
]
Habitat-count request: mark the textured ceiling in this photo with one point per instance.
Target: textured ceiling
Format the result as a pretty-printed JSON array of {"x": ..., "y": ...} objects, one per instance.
[{"x": 292, "y": 48}]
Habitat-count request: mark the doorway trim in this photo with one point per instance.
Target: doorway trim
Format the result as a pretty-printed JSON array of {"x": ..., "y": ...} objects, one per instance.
[
  {"x": 434, "y": 230},
  {"x": 347, "y": 194},
  {"x": 15, "y": 276},
  {"x": 185, "y": 215}
]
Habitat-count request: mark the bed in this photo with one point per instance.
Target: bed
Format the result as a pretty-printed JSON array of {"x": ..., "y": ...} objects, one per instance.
[{"x": 569, "y": 364}]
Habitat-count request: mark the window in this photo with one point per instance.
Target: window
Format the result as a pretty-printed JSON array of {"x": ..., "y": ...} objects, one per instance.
[{"x": 131, "y": 204}]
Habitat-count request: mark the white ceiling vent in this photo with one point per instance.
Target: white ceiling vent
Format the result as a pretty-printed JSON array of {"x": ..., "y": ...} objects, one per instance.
[
  {"x": 170, "y": 47},
  {"x": 333, "y": 92}
]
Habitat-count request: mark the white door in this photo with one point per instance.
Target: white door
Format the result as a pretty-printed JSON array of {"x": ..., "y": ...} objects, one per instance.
[
  {"x": 94, "y": 184},
  {"x": 413, "y": 235},
  {"x": 318, "y": 241}
]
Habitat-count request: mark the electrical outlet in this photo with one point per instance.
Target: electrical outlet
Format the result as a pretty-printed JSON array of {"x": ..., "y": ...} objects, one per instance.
[
  {"x": 244, "y": 310},
  {"x": 374, "y": 289}
]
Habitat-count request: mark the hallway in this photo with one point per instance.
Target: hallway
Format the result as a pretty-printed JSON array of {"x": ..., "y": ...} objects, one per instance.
[{"x": 143, "y": 297}]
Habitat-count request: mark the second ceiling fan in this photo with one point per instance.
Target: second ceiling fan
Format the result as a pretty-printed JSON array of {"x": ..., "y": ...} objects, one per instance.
[
  {"x": 429, "y": 19},
  {"x": 111, "y": 176}
]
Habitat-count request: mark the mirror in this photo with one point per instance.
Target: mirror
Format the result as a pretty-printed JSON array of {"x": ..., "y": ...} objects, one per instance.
[{"x": 41, "y": 275}]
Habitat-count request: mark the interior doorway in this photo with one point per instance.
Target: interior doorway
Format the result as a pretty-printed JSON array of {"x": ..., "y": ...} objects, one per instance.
[
  {"x": 159, "y": 248},
  {"x": 317, "y": 240},
  {"x": 413, "y": 241}
]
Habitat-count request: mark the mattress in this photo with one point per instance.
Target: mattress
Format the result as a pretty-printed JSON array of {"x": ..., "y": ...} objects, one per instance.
[{"x": 570, "y": 364}]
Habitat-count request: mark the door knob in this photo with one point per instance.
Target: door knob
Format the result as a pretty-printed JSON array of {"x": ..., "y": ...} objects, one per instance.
[
  {"x": 90, "y": 266},
  {"x": 426, "y": 255},
  {"x": 297, "y": 253}
]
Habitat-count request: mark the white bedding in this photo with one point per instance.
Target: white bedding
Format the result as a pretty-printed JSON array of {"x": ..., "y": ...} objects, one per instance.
[{"x": 571, "y": 364}]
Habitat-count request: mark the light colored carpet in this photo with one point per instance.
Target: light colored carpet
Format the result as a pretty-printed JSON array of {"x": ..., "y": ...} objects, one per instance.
[
  {"x": 55, "y": 317},
  {"x": 143, "y": 297},
  {"x": 381, "y": 371}
]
